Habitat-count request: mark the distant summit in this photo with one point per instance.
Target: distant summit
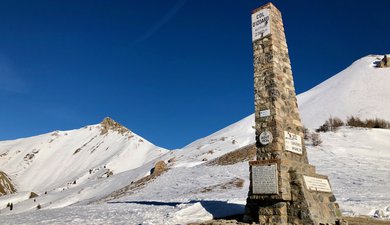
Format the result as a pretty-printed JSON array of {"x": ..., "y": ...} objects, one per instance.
[
  {"x": 109, "y": 124},
  {"x": 361, "y": 90}
]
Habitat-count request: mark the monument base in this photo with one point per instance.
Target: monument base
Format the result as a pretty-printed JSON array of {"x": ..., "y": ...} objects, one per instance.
[{"x": 304, "y": 197}]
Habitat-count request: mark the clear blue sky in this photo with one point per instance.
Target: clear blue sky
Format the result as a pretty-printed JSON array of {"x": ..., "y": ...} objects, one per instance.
[{"x": 172, "y": 71}]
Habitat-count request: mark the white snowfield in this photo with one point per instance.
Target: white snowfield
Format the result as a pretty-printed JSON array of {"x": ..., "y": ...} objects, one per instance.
[
  {"x": 360, "y": 90},
  {"x": 357, "y": 163},
  {"x": 76, "y": 186}
]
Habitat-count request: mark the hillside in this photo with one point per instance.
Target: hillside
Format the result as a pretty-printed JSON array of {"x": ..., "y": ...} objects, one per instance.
[
  {"x": 360, "y": 90},
  {"x": 219, "y": 143}
]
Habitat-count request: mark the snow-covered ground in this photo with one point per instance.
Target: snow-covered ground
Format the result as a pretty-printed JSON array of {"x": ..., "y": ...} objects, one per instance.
[
  {"x": 356, "y": 161},
  {"x": 76, "y": 172}
]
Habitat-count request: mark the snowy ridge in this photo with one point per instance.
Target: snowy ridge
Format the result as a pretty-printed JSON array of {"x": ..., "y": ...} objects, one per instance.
[
  {"x": 360, "y": 90},
  {"x": 54, "y": 160}
]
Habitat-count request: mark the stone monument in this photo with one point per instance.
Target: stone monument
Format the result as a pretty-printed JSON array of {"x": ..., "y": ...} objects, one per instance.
[{"x": 284, "y": 187}]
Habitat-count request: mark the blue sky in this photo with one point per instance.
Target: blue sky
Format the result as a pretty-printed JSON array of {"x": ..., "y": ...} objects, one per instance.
[{"x": 172, "y": 71}]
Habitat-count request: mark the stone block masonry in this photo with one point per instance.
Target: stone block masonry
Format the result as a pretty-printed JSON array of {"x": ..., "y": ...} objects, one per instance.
[{"x": 284, "y": 188}]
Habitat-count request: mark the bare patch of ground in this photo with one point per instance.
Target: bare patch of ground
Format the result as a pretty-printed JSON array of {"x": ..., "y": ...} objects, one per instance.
[
  {"x": 237, "y": 220},
  {"x": 243, "y": 154},
  {"x": 365, "y": 221},
  {"x": 159, "y": 168},
  {"x": 235, "y": 183}
]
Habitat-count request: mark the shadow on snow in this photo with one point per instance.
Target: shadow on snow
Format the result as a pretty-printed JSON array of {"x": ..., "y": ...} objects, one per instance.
[{"x": 218, "y": 209}]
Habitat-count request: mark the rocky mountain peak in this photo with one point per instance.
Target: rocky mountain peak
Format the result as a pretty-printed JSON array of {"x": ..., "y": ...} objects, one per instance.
[
  {"x": 110, "y": 124},
  {"x": 385, "y": 62}
]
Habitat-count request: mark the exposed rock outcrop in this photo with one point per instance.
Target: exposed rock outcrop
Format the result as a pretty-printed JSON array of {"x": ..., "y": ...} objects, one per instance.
[
  {"x": 159, "y": 167},
  {"x": 109, "y": 124},
  {"x": 33, "y": 195},
  {"x": 385, "y": 62},
  {"x": 242, "y": 154},
  {"x": 6, "y": 186}
]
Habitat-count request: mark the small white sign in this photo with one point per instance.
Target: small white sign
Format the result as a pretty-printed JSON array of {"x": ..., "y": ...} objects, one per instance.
[
  {"x": 265, "y": 113},
  {"x": 266, "y": 138},
  {"x": 317, "y": 184},
  {"x": 292, "y": 142},
  {"x": 260, "y": 24}
]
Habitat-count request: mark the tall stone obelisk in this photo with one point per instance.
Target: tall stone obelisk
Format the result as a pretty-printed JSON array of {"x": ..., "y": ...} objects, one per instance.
[{"x": 284, "y": 188}]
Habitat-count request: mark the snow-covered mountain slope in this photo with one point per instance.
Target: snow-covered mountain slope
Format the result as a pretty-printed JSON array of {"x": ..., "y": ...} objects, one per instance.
[
  {"x": 359, "y": 90},
  {"x": 58, "y": 159},
  {"x": 107, "y": 161},
  {"x": 219, "y": 143}
]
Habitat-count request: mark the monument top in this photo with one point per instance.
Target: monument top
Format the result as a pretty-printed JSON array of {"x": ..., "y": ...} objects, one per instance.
[
  {"x": 268, "y": 5},
  {"x": 261, "y": 20}
]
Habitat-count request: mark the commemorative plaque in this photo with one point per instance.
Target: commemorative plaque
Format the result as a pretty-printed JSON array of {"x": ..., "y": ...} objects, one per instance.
[
  {"x": 317, "y": 184},
  {"x": 293, "y": 142},
  {"x": 264, "y": 179},
  {"x": 266, "y": 137}
]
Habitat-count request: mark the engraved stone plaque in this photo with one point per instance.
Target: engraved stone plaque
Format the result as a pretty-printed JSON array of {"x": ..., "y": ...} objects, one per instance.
[
  {"x": 266, "y": 138},
  {"x": 317, "y": 184},
  {"x": 264, "y": 179},
  {"x": 292, "y": 142}
]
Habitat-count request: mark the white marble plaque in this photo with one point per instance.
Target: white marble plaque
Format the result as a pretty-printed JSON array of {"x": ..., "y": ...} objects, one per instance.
[
  {"x": 317, "y": 184},
  {"x": 266, "y": 137},
  {"x": 260, "y": 24},
  {"x": 265, "y": 113},
  {"x": 292, "y": 142},
  {"x": 264, "y": 179}
]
